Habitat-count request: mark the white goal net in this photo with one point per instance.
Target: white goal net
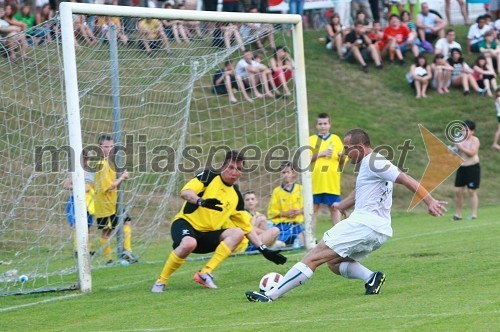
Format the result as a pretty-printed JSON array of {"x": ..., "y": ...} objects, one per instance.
[{"x": 144, "y": 77}]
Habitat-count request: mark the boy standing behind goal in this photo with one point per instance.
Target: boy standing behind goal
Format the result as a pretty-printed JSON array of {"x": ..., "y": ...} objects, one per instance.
[
  {"x": 326, "y": 162},
  {"x": 105, "y": 200}
]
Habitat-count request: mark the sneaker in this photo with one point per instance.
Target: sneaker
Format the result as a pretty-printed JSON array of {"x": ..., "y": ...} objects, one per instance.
[
  {"x": 482, "y": 92},
  {"x": 471, "y": 218},
  {"x": 402, "y": 62},
  {"x": 364, "y": 69},
  {"x": 257, "y": 297},
  {"x": 109, "y": 263},
  {"x": 455, "y": 218},
  {"x": 206, "y": 279},
  {"x": 129, "y": 256},
  {"x": 466, "y": 92},
  {"x": 375, "y": 283},
  {"x": 158, "y": 287}
]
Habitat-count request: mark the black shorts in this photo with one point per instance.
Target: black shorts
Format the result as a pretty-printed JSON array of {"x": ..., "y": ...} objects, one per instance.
[
  {"x": 207, "y": 241},
  {"x": 469, "y": 176},
  {"x": 221, "y": 89},
  {"x": 110, "y": 222},
  {"x": 365, "y": 53}
]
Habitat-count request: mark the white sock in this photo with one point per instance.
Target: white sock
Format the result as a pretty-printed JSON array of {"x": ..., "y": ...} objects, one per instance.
[
  {"x": 296, "y": 276},
  {"x": 354, "y": 270}
]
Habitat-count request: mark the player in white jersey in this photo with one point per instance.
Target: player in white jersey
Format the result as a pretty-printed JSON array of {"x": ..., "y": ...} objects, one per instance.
[{"x": 366, "y": 229}]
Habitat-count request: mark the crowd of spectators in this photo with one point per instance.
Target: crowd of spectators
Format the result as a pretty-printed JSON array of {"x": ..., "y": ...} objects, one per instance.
[
  {"x": 425, "y": 36},
  {"x": 429, "y": 40}
]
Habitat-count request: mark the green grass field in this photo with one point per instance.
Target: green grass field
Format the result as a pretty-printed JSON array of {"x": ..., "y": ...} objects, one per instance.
[{"x": 441, "y": 276}]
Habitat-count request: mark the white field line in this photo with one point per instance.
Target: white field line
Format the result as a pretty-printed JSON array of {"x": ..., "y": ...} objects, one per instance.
[
  {"x": 288, "y": 322},
  {"x": 39, "y": 302},
  {"x": 447, "y": 231}
]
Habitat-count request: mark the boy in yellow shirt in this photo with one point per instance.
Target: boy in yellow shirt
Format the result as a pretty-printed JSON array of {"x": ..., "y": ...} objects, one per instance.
[
  {"x": 326, "y": 159},
  {"x": 286, "y": 208},
  {"x": 105, "y": 199}
]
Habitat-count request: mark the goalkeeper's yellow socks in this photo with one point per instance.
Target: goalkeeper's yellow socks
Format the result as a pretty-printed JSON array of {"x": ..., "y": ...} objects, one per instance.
[
  {"x": 173, "y": 263},
  {"x": 221, "y": 253},
  {"x": 127, "y": 237},
  {"x": 107, "y": 249}
]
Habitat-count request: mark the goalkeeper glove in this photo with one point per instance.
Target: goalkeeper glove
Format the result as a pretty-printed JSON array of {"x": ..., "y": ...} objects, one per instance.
[
  {"x": 272, "y": 255},
  {"x": 210, "y": 203}
]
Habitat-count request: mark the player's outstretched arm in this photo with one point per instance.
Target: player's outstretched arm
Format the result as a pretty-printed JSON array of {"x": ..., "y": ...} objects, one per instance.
[
  {"x": 436, "y": 208},
  {"x": 346, "y": 203},
  {"x": 272, "y": 255}
]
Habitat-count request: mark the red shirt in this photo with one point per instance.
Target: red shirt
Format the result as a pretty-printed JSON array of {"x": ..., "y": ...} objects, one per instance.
[{"x": 401, "y": 33}]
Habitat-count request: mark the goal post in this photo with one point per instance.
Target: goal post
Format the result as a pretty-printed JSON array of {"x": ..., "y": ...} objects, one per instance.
[{"x": 163, "y": 113}]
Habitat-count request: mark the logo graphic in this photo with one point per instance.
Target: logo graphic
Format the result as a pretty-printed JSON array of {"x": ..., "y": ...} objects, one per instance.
[
  {"x": 185, "y": 232},
  {"x": 442, "y": 161}
]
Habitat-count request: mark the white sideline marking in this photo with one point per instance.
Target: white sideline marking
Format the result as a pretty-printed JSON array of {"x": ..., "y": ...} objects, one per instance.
[
  {"x": 236, "y": 325},
  {"x": 40, "y": 302},
  {"x": 447, "y": 231}
]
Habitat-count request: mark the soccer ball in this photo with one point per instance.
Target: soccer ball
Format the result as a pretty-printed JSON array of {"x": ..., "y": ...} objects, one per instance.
[{"x": 269, "y": 281}]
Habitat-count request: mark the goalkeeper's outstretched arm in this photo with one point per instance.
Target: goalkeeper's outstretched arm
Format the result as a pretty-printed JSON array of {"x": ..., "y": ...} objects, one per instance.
[{"x": 272, "y": 255}]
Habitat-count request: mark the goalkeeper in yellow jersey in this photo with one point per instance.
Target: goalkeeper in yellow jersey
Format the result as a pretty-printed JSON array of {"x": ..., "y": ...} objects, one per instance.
[
  {"x": 105, "y": 199},
  {"x": 212, "y": 199}
]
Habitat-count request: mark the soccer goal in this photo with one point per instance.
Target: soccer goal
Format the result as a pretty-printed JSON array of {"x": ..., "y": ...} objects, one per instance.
[{"x": 145, "y": 77}]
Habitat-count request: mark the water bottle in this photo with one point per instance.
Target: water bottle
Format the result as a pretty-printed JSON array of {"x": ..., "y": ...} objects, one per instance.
[
  {"x": 296, "y": 243},
  {"x": 330, "y": 147}
]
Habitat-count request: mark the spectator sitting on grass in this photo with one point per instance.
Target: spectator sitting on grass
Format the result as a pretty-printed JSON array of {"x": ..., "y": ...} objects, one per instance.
[
  {"x": 258, "y": 31},
  {"x": 429, "y": 25},
  {"x": 441, "y": 73},
  {"x": 174, "y": 29},
  {"x": 253, "y": 73},
  {"x": 376, "y": 35},
  {"x": 152, "y": 34},
  {"x": 444, "y": 45},
  {"x": 35, "y": 35},
  {"x": 476, "y": 34},
  {"x": 335, "y": 34},
  {"x": 421, "y": 75},
  {"x": 360, "y": 48},
  {"x": 14, "y": 39},
  {"x": 461, "y": 76},
  {"x": 485, "y": 75},
  {"x": 282, "y": 69},
  {"x": 489, "y": 48},
  {"x": 367, "y": 24},
  {"x": 398, "y": 39},
  {"x": 224, "y": 81}
]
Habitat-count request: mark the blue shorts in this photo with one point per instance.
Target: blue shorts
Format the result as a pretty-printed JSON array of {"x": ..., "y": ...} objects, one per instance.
[
  {"x": 70, "y": 213},
  {"x": 403, "y": 47},
  {"x": 251, "y": 247},
  {"x": 289, "y": 231},
  {"x": 327, "y": 199}
]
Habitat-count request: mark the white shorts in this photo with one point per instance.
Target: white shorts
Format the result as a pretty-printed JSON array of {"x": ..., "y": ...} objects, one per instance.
[{"x": 354, "y": 240}]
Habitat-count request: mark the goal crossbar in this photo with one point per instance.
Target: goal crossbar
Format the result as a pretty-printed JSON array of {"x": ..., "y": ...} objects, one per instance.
[{"x": 169, "y": 14}]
